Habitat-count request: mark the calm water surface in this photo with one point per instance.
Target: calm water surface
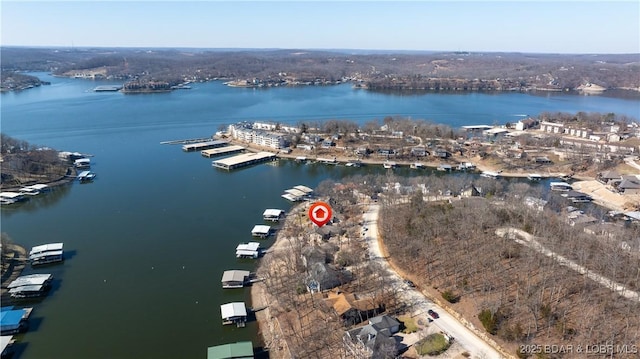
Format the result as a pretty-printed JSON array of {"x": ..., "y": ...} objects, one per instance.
[{"x": 147, "y": 242}]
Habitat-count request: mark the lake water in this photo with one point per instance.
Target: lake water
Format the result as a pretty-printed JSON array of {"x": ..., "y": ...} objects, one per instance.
[{"x": 147, "y": 242}]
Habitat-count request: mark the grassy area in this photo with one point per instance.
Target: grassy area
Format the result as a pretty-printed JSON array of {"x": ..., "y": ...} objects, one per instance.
[
  {"x": 434, "y": 344},
  {"x": 410, "y": 325}
]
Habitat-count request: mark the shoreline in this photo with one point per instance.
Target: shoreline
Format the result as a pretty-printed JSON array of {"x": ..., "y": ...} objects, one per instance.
[{"x": 271, "y": 337}]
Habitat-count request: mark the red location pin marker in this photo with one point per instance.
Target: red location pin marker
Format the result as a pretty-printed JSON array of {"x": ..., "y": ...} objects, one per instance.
[{"x": 320, "y": 213}]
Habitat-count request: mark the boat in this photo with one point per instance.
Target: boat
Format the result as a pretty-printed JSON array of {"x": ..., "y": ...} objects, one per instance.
[
  {"x": 389, "y": 164},
  {"x": 490, "y": 174},
  {"x": 354, "y": 164},
  {"x": 466, "y": 166},
  {"x": 86, "y": 176},
  {"x": 417, "y": 165},
  {"x": 560, "y": 186},
  {"x": 534, "y": 177}
]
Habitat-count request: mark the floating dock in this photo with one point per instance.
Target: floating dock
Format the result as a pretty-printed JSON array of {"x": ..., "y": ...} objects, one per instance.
[
  {"x": 199, "y": 146},
  {"x": 226, "y": 150},
  {"x": 244, "y": 160}
]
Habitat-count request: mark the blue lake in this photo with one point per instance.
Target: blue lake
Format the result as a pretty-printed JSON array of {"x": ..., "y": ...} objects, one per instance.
[{"x": 147, "y": 242}]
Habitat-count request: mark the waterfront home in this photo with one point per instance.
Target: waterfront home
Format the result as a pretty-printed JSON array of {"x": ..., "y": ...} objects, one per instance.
[
  {"x": 261, "y": 231},
  {"x": 234, "y": 313},
  {"x": 273, "y": 215},
  {"x": 248, "y": 250},
  {"x": 350, "y": 308},
  {"x": 14, "y": 321},
  {"x": 46, "y": 253},
  {"x": 377, "y": 335},
  {"x": 235, "y": 278},
  {"x": 238, "y": 350}
]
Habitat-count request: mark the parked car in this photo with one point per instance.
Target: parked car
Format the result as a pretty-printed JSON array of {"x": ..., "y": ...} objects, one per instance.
[
  {"x": 433, "y": 314},
  {"x": 410, "y": 283}
]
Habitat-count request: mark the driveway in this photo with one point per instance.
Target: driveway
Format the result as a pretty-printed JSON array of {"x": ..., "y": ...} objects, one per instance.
[{"x": 446, "y": 323}]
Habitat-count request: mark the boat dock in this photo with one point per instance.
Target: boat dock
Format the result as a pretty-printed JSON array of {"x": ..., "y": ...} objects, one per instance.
[
  {"x": 243, "y": 160},
  {"x": 183, "y": 142},
  {"x": 226, "y": 150},
  {"x": 199, "y": 146}
]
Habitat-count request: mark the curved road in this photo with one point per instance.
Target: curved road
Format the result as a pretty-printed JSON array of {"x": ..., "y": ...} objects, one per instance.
[{"x": 477, "y": 347}]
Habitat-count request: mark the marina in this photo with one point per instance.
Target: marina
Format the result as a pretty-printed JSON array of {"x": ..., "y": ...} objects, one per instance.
[
  {"x": 243, "y": 160},
  {"x": 199, "y": 146},
  {"x": 107, "y": 88},
  {"x": 226, "y": 150},
  {"x": 139, "y": 227}
]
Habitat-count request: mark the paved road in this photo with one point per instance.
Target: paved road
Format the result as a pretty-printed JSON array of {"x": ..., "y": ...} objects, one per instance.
[{"x": 477, "y": 347}]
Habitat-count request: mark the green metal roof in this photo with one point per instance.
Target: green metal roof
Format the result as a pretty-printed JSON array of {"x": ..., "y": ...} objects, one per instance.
[{"x": 239, "y": 350}]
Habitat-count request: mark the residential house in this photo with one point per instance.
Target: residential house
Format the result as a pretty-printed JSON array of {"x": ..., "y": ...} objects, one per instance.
[
  {"x": 607, "y": 177},
  {"x": 377, "y": 336},
  {"x": 351, "y": 309},
  {"x": 629, "y": 185}
]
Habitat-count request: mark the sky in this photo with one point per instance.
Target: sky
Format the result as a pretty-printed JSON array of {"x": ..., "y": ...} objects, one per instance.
[{"x": 537, "y": 26}]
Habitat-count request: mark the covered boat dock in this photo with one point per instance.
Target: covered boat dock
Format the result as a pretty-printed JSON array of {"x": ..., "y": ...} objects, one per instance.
[
  {"x": 273, "y": 215},
  {"x": 199, "y": 146},
  {"x": 235, "y": 312},
  {"x": 226, "y": 150},
  {"x": 248, "y": 250},
  {"x": 261, "y": 231},
  {"x": 238, "y": 350},
  {"x": 244, "y": 160},
  {"x": 235, "y": 278}
]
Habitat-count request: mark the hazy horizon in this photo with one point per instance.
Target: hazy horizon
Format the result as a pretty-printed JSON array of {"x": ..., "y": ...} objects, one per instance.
[{"x": 543, "y": 27}]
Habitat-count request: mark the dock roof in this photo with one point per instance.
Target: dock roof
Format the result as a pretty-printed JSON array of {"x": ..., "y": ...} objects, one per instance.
[
  {"x": 221, "y": 150},
  {"x": 28, "y": 280},
  {"x": 46, "y": 247},
  {"x": 239, "y": 350},
  {"x": 245, "y": 158},
  {"x": 251, "y": 246},
  {"x": 235, "y": 275},
  {"x": 295, "y": 192},
  {"x": 234, "y": 309},
  {"x": 271, "y": 212},
  {"x": 10, "y": 319},
  {"x": 302, "y": 188},
  {"x": 192, "y": 146},
  {"x": 261, "y": 229}
]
